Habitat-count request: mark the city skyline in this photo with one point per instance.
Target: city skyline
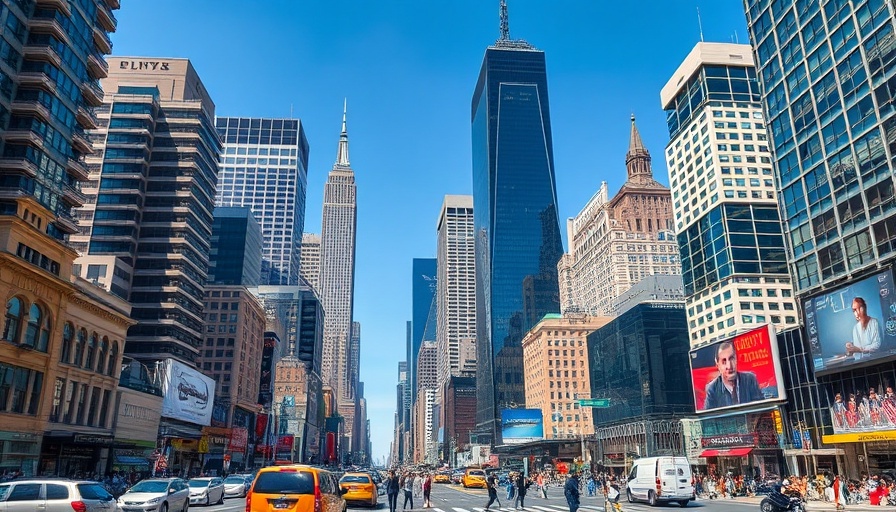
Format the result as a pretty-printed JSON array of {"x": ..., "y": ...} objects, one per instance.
[{"x": 408, "y": 175}]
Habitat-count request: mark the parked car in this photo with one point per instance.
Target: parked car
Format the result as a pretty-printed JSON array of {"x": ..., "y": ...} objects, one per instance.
[
  {"x": 359, "y": 488},
  {"x": 442, "y": 477},
  {"x": 56, "y": 495},
  {"x": 156, "y": 495},
  {"x": 236, "y": 486},
  {"x": 660, "y": 479},
  {"x": 294, "y": 488},
  {"x": 206, "y": 490}
]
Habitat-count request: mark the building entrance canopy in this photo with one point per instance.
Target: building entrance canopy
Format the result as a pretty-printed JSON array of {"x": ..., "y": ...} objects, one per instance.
[{"x": 730, "y": 452}]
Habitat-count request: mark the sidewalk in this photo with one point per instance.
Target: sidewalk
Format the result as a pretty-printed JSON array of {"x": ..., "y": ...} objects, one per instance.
[{"x": 810, "y": 505}]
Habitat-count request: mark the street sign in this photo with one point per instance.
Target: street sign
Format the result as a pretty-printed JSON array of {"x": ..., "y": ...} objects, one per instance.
[{"x": 594, "y": 402}]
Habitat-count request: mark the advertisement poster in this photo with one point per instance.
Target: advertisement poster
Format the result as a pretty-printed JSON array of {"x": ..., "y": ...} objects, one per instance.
[
  {"x": 852, "y": 324},
  {"x": 521, "y": 425},
  {"x": 737, "y": 371},
  {"x": 864, "y": 411},
  {"x": 187, "y": 394}
]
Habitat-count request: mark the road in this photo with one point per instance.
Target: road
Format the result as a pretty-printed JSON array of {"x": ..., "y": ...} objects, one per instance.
[{"x": 454, "y": 498}]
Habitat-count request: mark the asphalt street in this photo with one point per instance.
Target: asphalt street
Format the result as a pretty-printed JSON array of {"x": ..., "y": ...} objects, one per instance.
[{"x": 454, "y": 498}]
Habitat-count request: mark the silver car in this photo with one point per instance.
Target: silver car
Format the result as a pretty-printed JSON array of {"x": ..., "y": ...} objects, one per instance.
[
  {"x": 236, "y": 486},
  {"x": 206, "y": 490},
  {"x": 157, "y": 495},
  {"x": 55, "y": 495}
]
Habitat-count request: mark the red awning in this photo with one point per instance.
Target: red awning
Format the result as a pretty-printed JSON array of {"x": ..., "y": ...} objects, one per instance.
[{"x": 730, "y": 452}]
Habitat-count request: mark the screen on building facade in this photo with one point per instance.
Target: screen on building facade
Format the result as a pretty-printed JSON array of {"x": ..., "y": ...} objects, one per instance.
[
  {"x": 853, "y": 324},
  {"x": 739, "y": 371}
]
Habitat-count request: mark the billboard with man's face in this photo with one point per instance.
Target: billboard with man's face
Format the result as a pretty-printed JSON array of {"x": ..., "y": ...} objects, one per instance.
[
  {"x": 853, "y": 324},
  {"x": 738, "y": 371}
]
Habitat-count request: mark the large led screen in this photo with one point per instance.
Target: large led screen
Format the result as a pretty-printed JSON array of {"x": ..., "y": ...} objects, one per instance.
[
  {"x": 521, "y": 425},
  {"x": 853, "y": 324},
  {"x": 736, "y": 372}
]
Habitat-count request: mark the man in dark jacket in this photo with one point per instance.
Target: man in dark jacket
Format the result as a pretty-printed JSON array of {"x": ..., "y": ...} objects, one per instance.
[
  {"x": 571, "y": 490},
  {"x": 521, "y": 483},
  {"x": 731, "y": 387},
  {"x": 491, "y": 484},
  {"x": 392, "y": 488}
]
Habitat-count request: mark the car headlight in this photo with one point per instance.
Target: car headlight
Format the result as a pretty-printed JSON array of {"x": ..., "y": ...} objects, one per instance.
[{"x": 153, "y": 500}]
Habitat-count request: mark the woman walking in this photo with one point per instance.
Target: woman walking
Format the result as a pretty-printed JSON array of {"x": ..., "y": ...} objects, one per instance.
[
  {"x": 427, "y": 489},
  {"x": 408, "y": 491}
]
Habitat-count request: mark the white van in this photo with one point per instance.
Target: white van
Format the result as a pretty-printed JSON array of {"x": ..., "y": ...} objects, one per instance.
[{"x": 660, "y": 479}]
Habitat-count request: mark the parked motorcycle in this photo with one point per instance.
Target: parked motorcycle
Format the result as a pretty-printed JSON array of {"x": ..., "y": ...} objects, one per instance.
[{"x": 776, "y": 501}]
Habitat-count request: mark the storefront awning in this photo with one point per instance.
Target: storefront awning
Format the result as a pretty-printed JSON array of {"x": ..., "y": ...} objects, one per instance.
[{"x": 730, "y": 452}]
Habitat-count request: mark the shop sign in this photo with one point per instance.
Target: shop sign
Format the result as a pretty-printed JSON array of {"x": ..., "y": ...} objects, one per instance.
[
  {"x": 17, "y": 436},
  {"x": 728, "y": 441},
  {"x": 860, "y": 437},
  {"x": 104, "y": 440}
]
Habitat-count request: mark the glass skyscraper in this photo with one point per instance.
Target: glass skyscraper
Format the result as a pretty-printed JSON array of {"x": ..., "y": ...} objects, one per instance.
[
  {"x": 517, "y": 229},
  {"x": 235, "y": 257},
  {"x": 423, "y": 321},
  {"x": 265, "y": 167}
]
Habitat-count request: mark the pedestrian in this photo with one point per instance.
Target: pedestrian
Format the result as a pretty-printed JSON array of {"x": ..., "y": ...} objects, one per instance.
[
  {"x": 571, "y": 491},
  {"x": 392, "y": 487},
  {"x": 522, "y": 485},
  {"x": 427, "y": 489},
  {"x": 491, "y": 484},
  {"x": 839, "y": 492},
  {"x": 592, "y": 486},
  {"x": 612, "y": 493},
  {"x": 541, "y": 485},
  {"x": 408, "y": 486}
]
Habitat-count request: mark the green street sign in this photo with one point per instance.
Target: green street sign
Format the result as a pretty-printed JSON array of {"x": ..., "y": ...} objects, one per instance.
[{"x": 594, "y": 402}]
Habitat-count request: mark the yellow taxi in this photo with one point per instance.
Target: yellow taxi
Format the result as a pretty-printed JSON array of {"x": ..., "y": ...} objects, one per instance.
[
  {"x": 474, "y": 477},
  {"x": 442, "y": 477},
  {"x": 358, "y": 488},
  {"x": 294, "y": 488}
]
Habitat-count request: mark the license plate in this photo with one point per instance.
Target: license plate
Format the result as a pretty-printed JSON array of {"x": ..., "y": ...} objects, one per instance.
[{"x": 281, "y": 504}]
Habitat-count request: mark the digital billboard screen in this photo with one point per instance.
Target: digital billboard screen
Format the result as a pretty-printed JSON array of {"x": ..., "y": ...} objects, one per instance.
[
  {"x": 739, "y": 371},
  {"x": 521, "y": 425},
  {"x": 853, "y": 324}
]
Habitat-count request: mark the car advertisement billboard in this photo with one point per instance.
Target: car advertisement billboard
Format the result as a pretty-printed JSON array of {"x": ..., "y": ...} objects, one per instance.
[
  {"x": 521, "y": 425},
  {"x": 738, "y": 371},
  {"x": 852, "y": 324},
  {"x": 188, "y": 395}
]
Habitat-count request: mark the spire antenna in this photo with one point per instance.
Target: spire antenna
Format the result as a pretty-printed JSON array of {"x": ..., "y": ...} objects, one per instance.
[
  {"x": 700, "y": 23},
  {"x": 342, "y": 154},
  {"x": 505, "y": 23}
]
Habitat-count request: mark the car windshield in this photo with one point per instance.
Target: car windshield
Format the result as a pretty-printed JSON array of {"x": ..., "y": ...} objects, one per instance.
[
  {"x": 477, "y": 473},
  {"x": 150, "y": 486},
  {"x": 356, "y": 479},
  {"x": 198, "y": 483},
  {"x": 235, "y": 480}
]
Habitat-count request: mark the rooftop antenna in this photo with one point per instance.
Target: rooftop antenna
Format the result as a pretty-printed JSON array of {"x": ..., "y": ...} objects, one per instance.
[
  {"x": 290, "y": 110},
  {"x": 735, "y": 38},
  {"x": 700, "y": 24},
  {"x": 505, "y": 24}
]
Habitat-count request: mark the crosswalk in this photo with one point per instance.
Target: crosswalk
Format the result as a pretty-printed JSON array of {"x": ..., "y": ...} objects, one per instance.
[{"x": 535, "y": 508}]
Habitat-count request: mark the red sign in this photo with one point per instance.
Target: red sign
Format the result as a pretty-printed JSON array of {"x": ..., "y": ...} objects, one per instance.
[
  {"x": 239, "y": 439},
  {"x": 737, "y": 371},
  {"x": 285, "y": 442},
  {"x": 261, "y": 425}
]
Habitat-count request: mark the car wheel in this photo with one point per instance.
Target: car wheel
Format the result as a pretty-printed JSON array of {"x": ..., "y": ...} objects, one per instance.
[
  {"x": 628, "y": 494},
  {"x": 651, "y": 498},
  {"x": 164, "y": 508},
  {"x": 221, "y": 499},
  {"x": 683, "y": 503}
]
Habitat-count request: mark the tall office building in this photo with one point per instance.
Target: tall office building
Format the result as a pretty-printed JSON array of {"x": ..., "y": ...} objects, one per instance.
[
  {"x": 337, "y": 279},
  {"x": 147, "y": 224},
  {"x": 726, "y": 215},
  {"x": 62, "y": 337},
  {"x": 517, "y": 229},
  {"x": 455, "y": 288},
  {"x": 615, "y": 243},
  {"x": 309, "y": 269},
  {"x": 265, "y": 167},
  {"x": 829, "y": 90},
  {"x": 423, "y": 314},
  {"x": 235, "y": 256}
]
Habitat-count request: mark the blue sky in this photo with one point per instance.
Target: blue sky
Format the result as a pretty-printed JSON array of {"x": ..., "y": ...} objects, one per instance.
[{"x": 407, "y": 69}]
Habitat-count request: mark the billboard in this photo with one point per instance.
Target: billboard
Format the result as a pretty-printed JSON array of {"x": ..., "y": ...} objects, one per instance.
[
  {"x": 852, "y": 324},
  {"x": 855, "y": 411},
  {"x": 138, "y": 416},
  {"x": 737, "y": 371},
  {"x": 188, "y": 395},
  {"x": 521, "y": 425}
]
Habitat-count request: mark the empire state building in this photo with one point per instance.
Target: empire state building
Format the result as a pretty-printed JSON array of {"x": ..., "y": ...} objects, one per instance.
[{"x": 337, "y": 272}]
